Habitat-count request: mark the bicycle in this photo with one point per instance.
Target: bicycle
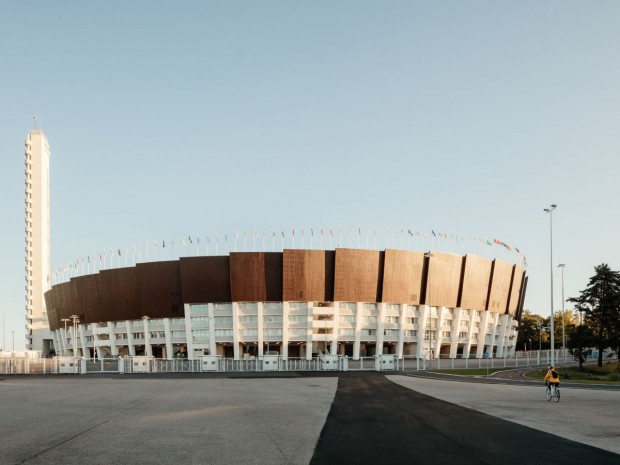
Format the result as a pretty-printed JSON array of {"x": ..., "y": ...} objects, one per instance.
[{"x": 553, "y": 392}]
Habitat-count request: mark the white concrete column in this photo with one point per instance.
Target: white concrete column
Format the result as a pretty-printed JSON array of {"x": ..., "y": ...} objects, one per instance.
[
  {"x": 212, "y": 342},
  {"x": 285, "y": 330},
  {"x": 112, "y": 336},
  {"x": 482, "y": 334},
  {"x": 457, "y": 317},
  {"x": 441, "y": 316},
  {"x": 168, "y": 336},
  {"x": 235, "y": 321},
  {"x": 148, "y": 350},
  {"x": 61, "y": 338},
  {"x": 380, "y": 327},
  {"x": 333, "y": 350},
  {"x": 423, "y": 318},
  {"x": 358, "y": 330},
  {"x": 261, "y": 325},
  {"x": 94, "y": 334},
  {"x": 130, "y": 345},
  {"x": 401, "y": 330},
  {"x": 309, "y": 331},
  {"x": 189, "y": 338},
  {"x": 494, "y": 320},
  {"x": 470, "y": 333},
  {"x": 504, "y": 321}
]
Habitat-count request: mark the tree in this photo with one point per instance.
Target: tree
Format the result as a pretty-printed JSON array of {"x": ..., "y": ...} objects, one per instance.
[
  {"x": 529, "y": 330},
  {"x": 580, "y": 343},
  {"x": 570, "y": 324},
  {"x": 600, "y": 302}
]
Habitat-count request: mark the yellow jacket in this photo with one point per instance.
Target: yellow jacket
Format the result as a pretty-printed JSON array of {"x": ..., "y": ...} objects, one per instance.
[{"x": 549, "y": 376}]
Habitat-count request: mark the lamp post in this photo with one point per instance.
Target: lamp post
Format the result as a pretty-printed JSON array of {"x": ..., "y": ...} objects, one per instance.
[
  {"x": 540, "y": 330},
  {"x": 430, "y": 332},
  {"x": 562, "y": 266},
  {"x": 75, "y": 323},
  {"x": 550, "y": 211},
  {"x": 64, "y": 346}
]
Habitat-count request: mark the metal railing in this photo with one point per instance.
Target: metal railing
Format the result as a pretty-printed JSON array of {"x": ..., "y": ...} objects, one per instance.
[{"x": 143, "y": 364}]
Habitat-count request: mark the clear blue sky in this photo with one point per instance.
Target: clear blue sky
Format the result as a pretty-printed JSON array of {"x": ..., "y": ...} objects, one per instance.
[{"x": 173, "y": 119}]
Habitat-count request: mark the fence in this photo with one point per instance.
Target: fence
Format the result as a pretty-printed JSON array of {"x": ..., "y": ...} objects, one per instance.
[{"x": 129, "y": 365}]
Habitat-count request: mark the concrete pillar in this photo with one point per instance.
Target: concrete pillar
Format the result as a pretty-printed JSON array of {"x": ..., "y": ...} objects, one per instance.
[
  {"x": 457, "y": 317},
  {"x": 235, "y": 315},
  {"x": 189, "y": 339},
  {"x": 441, "y": 315},
  {"x": 380, "y": 328},
  {"x": 168, "y": 338},
  {"x": 493, "y": 319},
  {"x": 212, "y": 341},
  {"x": 261, "y": 325},
  {"x": 333, "y": 350},
  {"x": 482, "y": 334},
  {"x": 284, "y": 330},
  {"x": 148, "y": 350},
  {"x": 423, "y": 318},
  {"x": 358, "y": 330},
  {"x": 470, "y": 333},
  {"x": 504, "y": 321},
  {"x": 112, "y": 336},
  {"x": 130, "y": 345},
  {"x": 401, "y": 331},
  {"x": 309, "y": 332}
]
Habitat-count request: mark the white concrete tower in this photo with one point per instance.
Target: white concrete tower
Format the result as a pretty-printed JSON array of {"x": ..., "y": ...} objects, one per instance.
[{"x": 38, "y": 336}]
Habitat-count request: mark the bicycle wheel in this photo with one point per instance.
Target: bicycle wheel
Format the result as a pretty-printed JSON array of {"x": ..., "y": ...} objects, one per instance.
[
  {"x": 548, "y": 394},
  {"x": 557, "y": 395}
]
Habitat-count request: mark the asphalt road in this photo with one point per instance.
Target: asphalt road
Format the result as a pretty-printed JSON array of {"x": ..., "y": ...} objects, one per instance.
[
  {"x": 299, "y": 418},
  {"x": 373, "y": 420}
]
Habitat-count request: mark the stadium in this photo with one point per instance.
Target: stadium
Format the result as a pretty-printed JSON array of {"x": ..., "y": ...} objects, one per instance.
[{"x": 294, "y": 304}]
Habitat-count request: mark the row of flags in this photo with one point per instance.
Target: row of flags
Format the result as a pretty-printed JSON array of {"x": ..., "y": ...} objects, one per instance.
[{"x": 152, "y": 250}]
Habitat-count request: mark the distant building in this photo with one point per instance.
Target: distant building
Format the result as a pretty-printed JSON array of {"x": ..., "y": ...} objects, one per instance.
[
  {"x": 37, "y": 197},
  {"x": 296, "y": 303}
]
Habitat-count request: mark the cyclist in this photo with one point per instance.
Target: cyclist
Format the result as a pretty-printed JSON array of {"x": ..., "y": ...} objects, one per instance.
[{"x": 552, "y": 377}]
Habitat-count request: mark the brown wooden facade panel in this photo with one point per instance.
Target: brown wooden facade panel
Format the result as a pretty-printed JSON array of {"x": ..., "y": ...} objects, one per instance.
[
  {"x": 159, "y": 290},
  {"x": 476, "y": 282},
  {"x": 256, "y": 276},
  {"x": 63, "y": 301},
  {"x": 515, "y": 290},
  {"x": 402, "y": 277},
  {"x": 205, "y": 279},
  {"x": 521, "y": 297},
  {"x": 89, "y": 306},
  {"x": 308, "y": 275},
  {"x": 358, "y": 276},
  {"x": 500, "y": 287},
  {"x": 444, "y": 279},
  {"x": 53, "y": 308},
  {"x": 119, "y": 294}
]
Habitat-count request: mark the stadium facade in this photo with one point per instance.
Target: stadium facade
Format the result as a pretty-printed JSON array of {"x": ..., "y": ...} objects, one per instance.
[{"x": 294, "y": 303}]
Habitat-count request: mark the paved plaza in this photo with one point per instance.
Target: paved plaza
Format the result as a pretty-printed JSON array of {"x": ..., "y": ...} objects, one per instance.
[{"x": 300, "y": 418}]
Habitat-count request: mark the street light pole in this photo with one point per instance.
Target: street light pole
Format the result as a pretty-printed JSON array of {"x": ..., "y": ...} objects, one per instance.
[
  {"x": 562, "y": 266},
  {"x": 550, "y": 211}
]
